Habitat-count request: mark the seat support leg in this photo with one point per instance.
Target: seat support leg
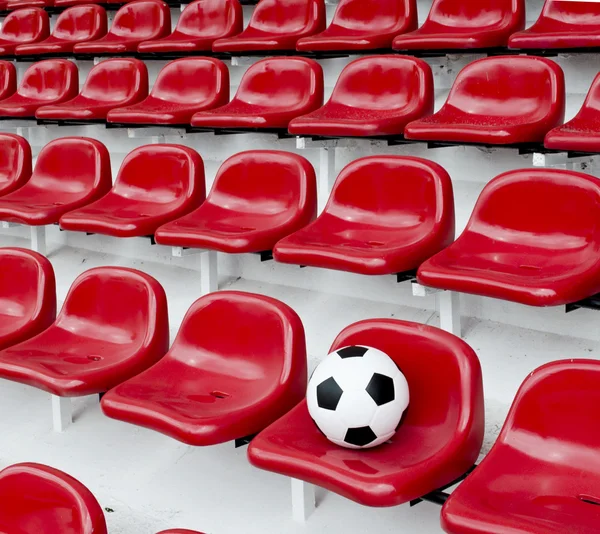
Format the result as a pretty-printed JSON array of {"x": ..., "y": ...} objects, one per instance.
[
  {"x": 62, "y": 413},
  {"x": 326, "y": 174},
  {"x": 38, "y": 239},
  {"x": 209, "y": 274},
  {"x": 303, "y": 500},
  {"x": 449, "y": 309}
]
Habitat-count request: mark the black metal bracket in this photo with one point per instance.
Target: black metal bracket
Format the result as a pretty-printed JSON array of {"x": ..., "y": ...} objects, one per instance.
[
  {"x": 69, "y": 122},
  {"x": 265, "y": 255},
  {"x": 439, "y": 496},
  {"x": 407, "y": 276},
  {"x": 590, "y": 303},
  {"x": 499, "y": 51},
  {"x": 240, "y": 442},
  {"x": 280, "y": 132}
]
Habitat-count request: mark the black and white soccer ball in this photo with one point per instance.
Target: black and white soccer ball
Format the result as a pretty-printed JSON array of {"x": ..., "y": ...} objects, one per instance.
[{"x": 356, "y": 396}]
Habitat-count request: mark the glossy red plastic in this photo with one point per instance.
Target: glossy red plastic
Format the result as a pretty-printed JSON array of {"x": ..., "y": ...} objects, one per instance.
[
  {"x": 74, "y": 25},
  {"x": 8, "y": 79},
  {"x": 257, "y": 198},
  {"x": 13, "y": 5},
  {"x": 385, "y": 215},
  {"x": 23, "y": 26},
  {"x": 15, "y": 162},
  {"x": 374, "y": 96},
  {"x": 37, "y": 499},
  {"x": 112, "y": 326},
  {"x": 71, "y": 3},
  {"x": 276, "y": 25},
  {"x": 172, "y": 102},
  {"x": 27, "y": 295},
  {"x": 458, "y": 25},
  {"x": 180, "y": 531},
  {"x": 541, "y": 476},
  {"x": 271, "y": 93},
  {"x": 135, "y": 22},
  {"x": 156, "y": 184},
  {"x": 210, "y": 388},
  {"x": 498, "y": 101},
  {"x": 523, "y": 243},
  {"x": 360, "y": 25},
  {"x": 110, "y": 84},
  {"x": 201, "y": 23},
  {"x": 69, "y": 172},
  {"x": 46, "y": 82},
  {"x": 439, "y": 437}
]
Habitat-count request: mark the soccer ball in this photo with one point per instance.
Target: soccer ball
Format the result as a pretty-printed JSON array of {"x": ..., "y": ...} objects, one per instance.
[{"x": 356, "y": 396}]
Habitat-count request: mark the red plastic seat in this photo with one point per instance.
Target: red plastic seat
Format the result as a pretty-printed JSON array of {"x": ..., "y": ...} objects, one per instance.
[
  {"x": 8, "y": 79},
  {"x": 516, "y": 247},
  {"x": 385, "y": 215},
  {"x": 271, "y": 93},
  {"x": 180, "y": 531},
  {"x": 135, "y": 22},
  {"x": 276, "y": 25},
  {"x": 74, "y": 25},
  {"x": 156, "y": 184},
  {"x": 13, "y": 5},
  {"x": 109, "y": 85},
  {"x": 71, "y": 3},
  {"x": 15, "y": 162},
  {"x": 460, "y": 25},
  {"x": 508, "y": 100},
  {"x": 438, "y": 440},
  {"x": 23, "y": 26},
  {"x": 374, "y": 96},
  {"x": 172, "y": 102},
  {"x": 551, "y": 434},
  {"x": 218, "y": 390},
  {"x": 112, "y": 326},
  {"x": 257, "y": 198},
  {"x": 360, "y": 25},
  {"x": 69, "y": 172},
  {"x": 36, "y": 499},
  {"x": 46, "y": 82},
  {"x": 27, "y": 296},
  {"x": 201, "y": 23}
]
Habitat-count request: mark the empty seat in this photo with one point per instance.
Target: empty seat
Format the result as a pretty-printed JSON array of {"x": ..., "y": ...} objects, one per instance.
[
  {"x": 360, "y": 25},
  {"x": 507, "y": 100},
  {"x": 23, "y": 26},
  {"x": 374, "y": 96},
  {"x": 219, "y": 390},
  {"x": 12, "y": 5},
  {"x": 109, "y": 85},
  {"x": 172, "y": 102},
  {"x": 437, "y": 441},
  {"x": 276, "y": 25},
  {"x": 46, "y": 82},
  {"x": 271, "y": 93},
  {"x": 27, "y": 296},
  {"x": 15, "y": 162},
  {"x": 257, "y": 198},
  {"x": 201, "y": 23},
  {"x": 141, "y": 20},
  {"x": 36, "y": 499},
  {"x": 69, "y": 173},
  {"x": 8, "y": 79},
  {"x": 516, "y": 247},
  {"x": 156, "y": 184},
  {"x": 74, "y": 25},
  {"x": 385, "y": 215},
  {"x": 459, "y": 25},
  {"x": 551, "y": 434}
]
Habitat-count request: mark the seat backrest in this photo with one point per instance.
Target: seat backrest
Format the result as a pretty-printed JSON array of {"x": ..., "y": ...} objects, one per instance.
[
  {"x": 592, "y": 100},
  {"x": 207, "y": 18},
  {"x": 376, "y": 15},
  {"x": 142, "y": 19},
  {"x": 8, "y": 79},
  {"x": 28, "y": 24},
  {"x": 114, "y": 80},
  {"x": 288, "y": 16},
  {"x": 15, "y": 162},
  {"x": 49, "y": 80},
  {"x": 581, "y": 13},
  {"x": 81, "y": 23},
  {"x": 478, "y": 15}
]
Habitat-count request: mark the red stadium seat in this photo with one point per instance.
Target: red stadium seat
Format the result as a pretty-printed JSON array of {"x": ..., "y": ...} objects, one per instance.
[
  {"x": 23, "y": 26},
  {"x": 8, "y": 79},
  {"x": 438, "y": 440},
  {"x": 109, "y": 85},
  {"x": 360, "y": 25},
  {"x": 386, "y": 215},
  {"x": 257, "y": 198},
  {"x": 13, "y": 5},
  {"x": 156, "y": 184},
  {"x": 180, "y": 531},
  {"x": 135, "y": 22},
  {"x": 510, "y": 100},
  {"x": 71, "y": 3},
  {"x": 374, "y": 96},
  {"x": 460, "y": 25},
  {"x": 15, "y": 162},
  {"x": 201, "y": 23},
  {"x": 271, "y": 93},
  {"x": 551, "y": 435},
  {"x": 112, "y": 326},
  {"x": 46, "y": 82},
  {"x": 74, "y": 25},
  {"x": 225, "y": 381},
  {"x": 276, "y": 25},
  {"x": 36, "y": 499},
  {"x": 516, "y": 247},
  {"x": 69, "y": 172},
  {"x": 172, "y": 102},
  {"x": 27, "y": 296},
  {"x": 562, "y": 25}
]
